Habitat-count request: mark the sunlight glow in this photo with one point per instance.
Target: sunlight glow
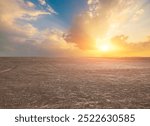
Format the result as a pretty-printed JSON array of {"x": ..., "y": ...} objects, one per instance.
[{"x": 103, "y": 46}]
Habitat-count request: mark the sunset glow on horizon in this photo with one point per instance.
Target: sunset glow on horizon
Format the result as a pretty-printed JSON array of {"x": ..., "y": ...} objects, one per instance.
[{"x": 111, "y": 28}]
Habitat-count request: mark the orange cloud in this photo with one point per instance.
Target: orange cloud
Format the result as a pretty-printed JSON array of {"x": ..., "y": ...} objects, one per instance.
[
  {"x": 126, "y": 48},
  {"x": 99, "y": 21},
  {"x": 30, "y": 4}
]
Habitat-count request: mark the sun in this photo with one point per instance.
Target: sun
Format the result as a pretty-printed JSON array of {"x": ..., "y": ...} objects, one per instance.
[{"x": 103, "y": 46}]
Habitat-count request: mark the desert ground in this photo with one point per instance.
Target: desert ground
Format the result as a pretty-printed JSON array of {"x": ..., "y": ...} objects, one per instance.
[{"x": 74, "y": 83}]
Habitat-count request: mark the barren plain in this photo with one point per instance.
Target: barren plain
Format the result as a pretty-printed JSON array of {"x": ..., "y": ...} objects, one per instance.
[{"x": 74, "y": 83}]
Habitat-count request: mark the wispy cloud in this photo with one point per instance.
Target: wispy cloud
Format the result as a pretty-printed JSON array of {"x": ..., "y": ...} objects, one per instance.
[
  {"x": 30, "y": 4},
  {"x": 42, "y": 2},
  {"x": 138, "y": 14},
  {"x": 47, "y": 7}
]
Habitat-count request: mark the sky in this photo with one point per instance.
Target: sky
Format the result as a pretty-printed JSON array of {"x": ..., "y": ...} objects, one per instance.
[{"x": 70, "y": 28}]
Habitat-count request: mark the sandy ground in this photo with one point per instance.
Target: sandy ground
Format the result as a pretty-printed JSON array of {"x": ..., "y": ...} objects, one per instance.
[{"x": 74, "y": 83}]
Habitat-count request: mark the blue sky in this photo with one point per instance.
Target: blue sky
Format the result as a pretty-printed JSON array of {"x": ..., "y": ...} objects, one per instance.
[{"x": 66, "y": 11}]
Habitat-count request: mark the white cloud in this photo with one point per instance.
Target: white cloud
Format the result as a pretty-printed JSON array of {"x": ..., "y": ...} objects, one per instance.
[
  {"x": 94, "y": 7},
  {"x": 47, "y": 7},
  {"x": 51, "y": 10},
  {"x": 42, "y": 2}
]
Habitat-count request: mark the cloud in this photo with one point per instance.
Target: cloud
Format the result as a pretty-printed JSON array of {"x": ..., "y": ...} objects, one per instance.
[
  {"x": 48, "y": 42},
  {"x": 30, "y": 4},
  {"x": 127, "y": 48},
  {"x": 138, "y": 14},
  {"x": 47, "y": 7},
  {"x": 19, "y": 38},
  {"x": 42, "y": 2},
  {"x": 101, "y": 20},
  {"x": 20, "y": 10},
  {"x": 9, "y": 24},
  {"x": 11, "y": 17}
]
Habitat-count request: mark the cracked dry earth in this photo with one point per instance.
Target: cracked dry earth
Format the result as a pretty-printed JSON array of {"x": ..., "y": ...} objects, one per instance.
[{"x": 74, "y": 83}]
